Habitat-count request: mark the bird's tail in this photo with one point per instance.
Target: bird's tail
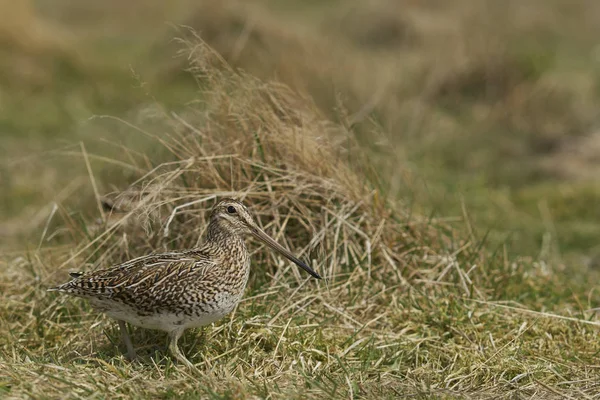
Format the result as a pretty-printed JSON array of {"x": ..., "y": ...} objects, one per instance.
[{"x": 61, "y": 288}]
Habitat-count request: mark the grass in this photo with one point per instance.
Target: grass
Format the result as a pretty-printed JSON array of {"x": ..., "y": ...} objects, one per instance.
[{"x": 446, "y": 275}]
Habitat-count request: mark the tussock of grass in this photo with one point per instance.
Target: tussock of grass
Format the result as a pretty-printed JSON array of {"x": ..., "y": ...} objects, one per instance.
[{"x": 406, "y": 309}]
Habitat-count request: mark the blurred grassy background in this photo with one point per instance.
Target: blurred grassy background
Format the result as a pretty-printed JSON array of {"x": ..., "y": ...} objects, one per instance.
[{"x": 490, "y": 107}]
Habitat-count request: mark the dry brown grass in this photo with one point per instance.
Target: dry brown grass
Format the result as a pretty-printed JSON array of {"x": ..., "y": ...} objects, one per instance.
[
  {"x": 410, "y": 307},
  {"x": 492, "y": 80},
  {"x": 406, "y": 309}
]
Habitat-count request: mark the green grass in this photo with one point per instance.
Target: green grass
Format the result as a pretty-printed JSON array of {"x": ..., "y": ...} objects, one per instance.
[{"x": 437, "y": 168}]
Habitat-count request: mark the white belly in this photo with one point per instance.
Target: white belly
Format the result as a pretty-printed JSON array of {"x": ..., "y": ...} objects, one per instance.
[{"x": 166, "y": 321}]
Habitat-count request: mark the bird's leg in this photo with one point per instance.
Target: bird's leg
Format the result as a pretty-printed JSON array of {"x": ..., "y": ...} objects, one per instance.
[
  {"x": 174, "y": 349},
  {"x": 127, "y": 340}
]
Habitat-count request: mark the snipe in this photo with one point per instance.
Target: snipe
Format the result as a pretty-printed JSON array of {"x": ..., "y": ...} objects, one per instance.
[{"x": 176, "y": 291}]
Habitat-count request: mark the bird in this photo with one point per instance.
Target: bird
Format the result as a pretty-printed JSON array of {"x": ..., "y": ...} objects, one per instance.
[{"x": 178, "y": 290}]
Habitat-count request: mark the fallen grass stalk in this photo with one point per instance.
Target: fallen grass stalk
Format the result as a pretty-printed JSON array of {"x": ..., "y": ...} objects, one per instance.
[{"x": 538, "y": 313}]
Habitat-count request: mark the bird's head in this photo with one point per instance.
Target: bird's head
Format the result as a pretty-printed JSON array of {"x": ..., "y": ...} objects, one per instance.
[{"x": 232, "y": 216}]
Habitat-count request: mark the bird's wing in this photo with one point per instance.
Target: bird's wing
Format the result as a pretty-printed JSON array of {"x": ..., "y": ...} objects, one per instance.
[{"x": 141, "y": 274}]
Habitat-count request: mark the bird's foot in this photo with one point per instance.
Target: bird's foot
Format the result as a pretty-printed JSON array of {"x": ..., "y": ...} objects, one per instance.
[
  {"x": 177, "y": 354},
  {"x": 131, "y": 355}
]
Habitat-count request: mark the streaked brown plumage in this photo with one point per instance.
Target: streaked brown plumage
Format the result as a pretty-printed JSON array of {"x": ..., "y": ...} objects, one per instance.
[{"x": 179, "y": 290}]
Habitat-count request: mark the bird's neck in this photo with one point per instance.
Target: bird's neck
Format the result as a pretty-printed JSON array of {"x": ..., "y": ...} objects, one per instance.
[{"x": 227, "y": 246}]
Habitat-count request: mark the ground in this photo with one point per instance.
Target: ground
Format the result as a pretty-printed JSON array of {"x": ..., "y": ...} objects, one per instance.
[{"x": 438, "y": 163}]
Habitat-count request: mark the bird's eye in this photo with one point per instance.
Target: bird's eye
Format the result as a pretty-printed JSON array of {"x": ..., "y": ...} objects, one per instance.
[{"x": 231, "y": 210}]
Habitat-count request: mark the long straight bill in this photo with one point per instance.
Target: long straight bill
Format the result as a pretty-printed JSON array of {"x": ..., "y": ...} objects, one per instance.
[{"x": 259, "y": 234}]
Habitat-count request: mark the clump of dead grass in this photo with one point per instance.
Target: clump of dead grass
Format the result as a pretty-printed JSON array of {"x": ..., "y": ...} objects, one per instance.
[{"x": 406, "y": 308}]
